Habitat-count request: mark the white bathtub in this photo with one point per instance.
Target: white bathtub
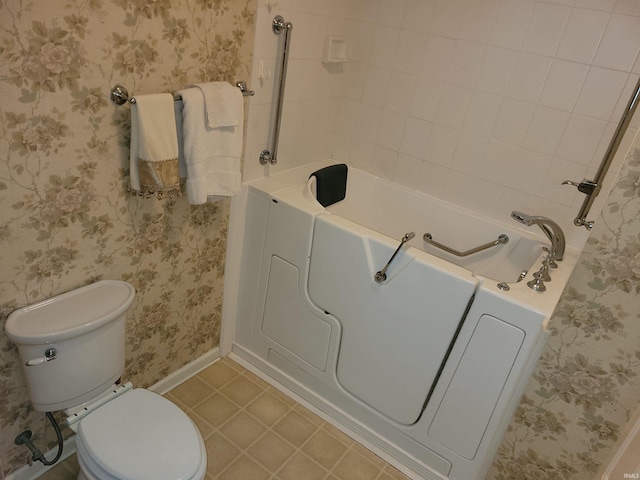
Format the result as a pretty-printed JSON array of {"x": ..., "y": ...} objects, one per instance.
[{"x": 426, "y": 367}]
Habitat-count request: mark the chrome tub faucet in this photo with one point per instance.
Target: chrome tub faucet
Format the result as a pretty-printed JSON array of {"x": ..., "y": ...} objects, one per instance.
[{"x": 550, "y": 228}]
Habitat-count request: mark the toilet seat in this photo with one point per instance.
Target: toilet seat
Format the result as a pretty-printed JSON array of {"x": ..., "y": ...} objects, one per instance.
[{"x": 140, "y": 435}]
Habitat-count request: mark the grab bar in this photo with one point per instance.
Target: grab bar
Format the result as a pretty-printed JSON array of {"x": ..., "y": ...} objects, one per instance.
[
  {"x": 278, "y": 26},
  {"x": 501, "y": 240},
  {"x": 381, "y": 276},
  {"x": 591, "y": 188}
]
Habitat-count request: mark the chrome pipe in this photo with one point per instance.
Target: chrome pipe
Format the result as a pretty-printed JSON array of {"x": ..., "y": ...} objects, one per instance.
[
  {"x": 591, "y": 188},
  {"x": 278, "y": 26}
]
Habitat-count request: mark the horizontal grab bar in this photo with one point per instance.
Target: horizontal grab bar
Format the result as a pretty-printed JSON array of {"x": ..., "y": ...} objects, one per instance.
[{"x": 501, "y": 240}]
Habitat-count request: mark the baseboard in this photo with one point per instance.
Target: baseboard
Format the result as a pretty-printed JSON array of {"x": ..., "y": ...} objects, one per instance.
[
  {"x": 185, "y": 373},
  {"x": 32, "y": 472}
]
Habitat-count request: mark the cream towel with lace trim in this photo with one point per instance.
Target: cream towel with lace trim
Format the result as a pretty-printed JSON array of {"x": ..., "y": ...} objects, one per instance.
[{"x": 154, "y": 167}]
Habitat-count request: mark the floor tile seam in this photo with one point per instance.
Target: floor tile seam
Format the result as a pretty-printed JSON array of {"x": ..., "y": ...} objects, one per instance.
[
  {"x": 299, "y": 449},
  {"x": 352, "y": 448},
  {"x": 245, "y": 410},
  {"x": 236, "y": 459},
  {"x": 255, "y": 379},
  {"x": 337, "y": 462},
  {"x": 295, "y": 449},
  {"x": 244, "y": 451},
  {"x": 198, "y": 403}
]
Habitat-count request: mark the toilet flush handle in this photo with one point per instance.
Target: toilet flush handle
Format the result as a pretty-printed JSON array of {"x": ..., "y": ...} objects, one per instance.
[{"x": 49, "y": 354}]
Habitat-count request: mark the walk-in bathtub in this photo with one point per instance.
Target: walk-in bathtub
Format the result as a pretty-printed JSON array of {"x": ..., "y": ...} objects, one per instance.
[{"x": 425, "y": 366}]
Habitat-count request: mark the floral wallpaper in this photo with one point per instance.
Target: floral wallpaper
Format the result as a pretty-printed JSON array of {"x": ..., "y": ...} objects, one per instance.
[
  {"x": 66, "y": 218},
  {"x": 586, "y": 387}
]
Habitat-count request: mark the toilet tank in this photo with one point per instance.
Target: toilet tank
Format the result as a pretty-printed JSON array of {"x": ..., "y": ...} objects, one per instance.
[{"x": 84, "y": 330}]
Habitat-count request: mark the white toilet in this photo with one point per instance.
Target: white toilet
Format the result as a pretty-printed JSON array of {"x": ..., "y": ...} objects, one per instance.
[{"x": 72, "y": 352}]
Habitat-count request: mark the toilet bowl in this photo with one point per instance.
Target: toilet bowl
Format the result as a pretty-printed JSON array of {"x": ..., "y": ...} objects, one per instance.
[
  {"x": 140, "y": 435},
  {"x": 72, "y": 353}
]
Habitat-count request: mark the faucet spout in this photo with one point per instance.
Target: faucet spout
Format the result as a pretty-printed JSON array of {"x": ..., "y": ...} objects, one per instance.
[{"x": 550, "y": 228}]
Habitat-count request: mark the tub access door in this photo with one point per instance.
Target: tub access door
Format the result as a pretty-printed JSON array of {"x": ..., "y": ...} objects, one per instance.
[{"x": 395, "y": 335}]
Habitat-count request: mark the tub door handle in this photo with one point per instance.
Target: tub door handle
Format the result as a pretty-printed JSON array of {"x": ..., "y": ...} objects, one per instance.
[{"x": 381, "y": 275}]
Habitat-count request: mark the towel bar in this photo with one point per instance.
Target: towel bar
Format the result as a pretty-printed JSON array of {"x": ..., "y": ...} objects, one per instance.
[{"x": 120, "y": 95}]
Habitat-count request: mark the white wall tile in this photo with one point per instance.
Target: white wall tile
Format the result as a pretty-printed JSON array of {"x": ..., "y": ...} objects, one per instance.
[
  {"x": 581, "y": 138},
  {"x": 511, "y": 24},
  {"x": 354, "y": 77},
  {"x": 470, "y": 153},
  {"x": 391, "y": 130},
  {"x": 426, "y": 99},
  {"x": 513, "y": 121},
  {"x": 620, "y": 44},
  {"x": 442, "y": 144},
  {"x": 545, "y": 28},
  {"x": 385, "y": 43},
  {"x": 582, "y": 35},
  {"x": 437, "y": 57},
  {"x": 391, "y": 12},
  {"x": 563, "y": 84},
  {"x": 400, "y": 93},
  {"x": 600, "y": 93},
  {"x": 453, "y": 106},
  {"x": 368, "y": 123},
  {"x": 499, "y": 163},
  {"x": 359, "y": 37},
  {"x": 376, "y": 86},
  {"x": 447, "y": 17},
  {"x": 627, "y": 7},
  {"x": 529, "y": 75},
  {"x": 466, "y": 63},
  {"x": 416, "y": 138},
  {"x": 407, "y": 171},
  {"x": 602, "y": 5},
  {"x": 478, "y": 21},
  {"x": 432, "y": 179},
  {"x": 497, "y": 68},
  {"x": 545, "y": 130},
  {"x": 530, "y": 171},
  {"x": 383, "y": 162},
  {"x": 418, "y": 15},
  {"x": 409, "y": 53},
  {"x": 482, "y": 113}
]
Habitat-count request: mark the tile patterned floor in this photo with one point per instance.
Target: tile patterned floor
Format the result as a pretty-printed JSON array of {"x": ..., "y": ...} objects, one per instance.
[{"x": 254, "y": 432}]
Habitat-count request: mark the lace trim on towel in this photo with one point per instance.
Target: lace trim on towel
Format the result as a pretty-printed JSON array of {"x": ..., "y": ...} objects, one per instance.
[{"x": 159, "y": 178}]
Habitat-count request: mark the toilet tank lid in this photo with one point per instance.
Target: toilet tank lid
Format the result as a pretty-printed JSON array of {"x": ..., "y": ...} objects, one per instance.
[{"x": 70, "y": 314}]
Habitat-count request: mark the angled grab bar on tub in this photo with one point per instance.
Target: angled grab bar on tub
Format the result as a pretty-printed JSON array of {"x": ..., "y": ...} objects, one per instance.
[
  {"x": 381, "y": 275},
  {"x": 501, "y": 240}
]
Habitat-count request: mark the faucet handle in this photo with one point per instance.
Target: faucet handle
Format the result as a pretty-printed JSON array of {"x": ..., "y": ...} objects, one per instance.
[{"x": 585, "y": 186}]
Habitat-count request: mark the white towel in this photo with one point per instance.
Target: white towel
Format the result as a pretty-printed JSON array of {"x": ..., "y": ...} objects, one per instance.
[
  {"x": 221, "y": 106},
  {"x": 211, "y": 155},
  {"x": 153, "y": 158}
]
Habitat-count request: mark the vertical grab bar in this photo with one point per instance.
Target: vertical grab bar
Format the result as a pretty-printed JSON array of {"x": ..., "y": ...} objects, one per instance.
[
  {"x": 591, "y": 188},
  {"x": 278, "y": 26}
]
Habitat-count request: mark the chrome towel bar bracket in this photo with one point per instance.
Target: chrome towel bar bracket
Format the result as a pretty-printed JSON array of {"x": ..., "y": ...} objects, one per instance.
[
  {"x": 501, "y": 240},
  {"x": 381, "y": 275}
]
